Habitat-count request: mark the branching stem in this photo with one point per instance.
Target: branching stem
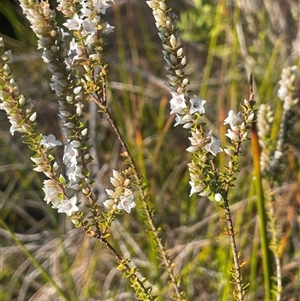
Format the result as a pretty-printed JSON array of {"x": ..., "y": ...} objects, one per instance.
[{"x": 147, "y": 209}]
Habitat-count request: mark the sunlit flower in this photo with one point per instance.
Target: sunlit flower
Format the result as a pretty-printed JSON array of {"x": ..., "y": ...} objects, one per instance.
[
  {"x": 50, "y": 194},
  {"x": 234, "y": 119},
  {"x": 282, "y": 92},
  {"x": 197, "y": 142},
  {"x": 126, "y": 203},
  {"x": 79, "y": 106},
  {"x": 109, "y": 204},
  {"x": 50, "y": 141},
  {"x": 68, "y": 206},
  {"x": 70, "y": 155},
  {"x": 232, "y": 135},
  {"x": 111, "y": 193},
  {"x": 177, "y": 103},
  {"x": 184, "y": 119},
  {"x": 74, "y": 23},
  {"x": 195, "y": 188},
  {"x": 52, "y": 190},
  {"x": 89, "y": 27},
  {"x": 197, "y": 105},
  {"x": 102, "y": 5},
  {"x": 214, "y": 146},
  {"x": 74, "y": 173}
]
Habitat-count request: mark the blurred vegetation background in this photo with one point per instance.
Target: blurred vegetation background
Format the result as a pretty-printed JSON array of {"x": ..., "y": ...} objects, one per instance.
[{"x": 225, "y": 41}]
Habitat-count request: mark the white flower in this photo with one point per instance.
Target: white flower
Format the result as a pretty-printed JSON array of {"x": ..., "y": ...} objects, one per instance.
[
  {"x": 232, "y": 135},
  {"x": 52, "y": 190},
  {"x": 111, "y": 193},
  {"x": 109, "y": 203},
  {"x": 117, "y": 175},
  {"x": 197, "y": 105},
  {"x": 107, "y": 29},
  {"x": 126, "y": 203},
  {"x": 177, "y": 103},
  {"x": 195, "y": 189},
  {"x": 197, "y": 142},
  {"x": 50, "y": 194},
  {"x": 234, "y": 119},
  {"x": 74, "y": 23},
  {"x": 68, "y": 206},
  {"x": 70, "y": 155},
  {"x": 278, "y": 155},
  {"x": 49, "y": 141},
  {"x": 74, "y": 172},
  {"x": 282, "y": 92},
  {"x": 214, "y": 146},
  {"x": 184, "y": 119},
  {"x": 218, "y": 197},
  {"x": 79, "y": 106},
  {"x": 86, "y": 11},
  {"x": 101, "y": 5}
]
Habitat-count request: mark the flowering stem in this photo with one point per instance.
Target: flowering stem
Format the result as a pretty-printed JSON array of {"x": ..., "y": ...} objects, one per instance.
[
  {"x": 123, "y": 263},
  {"x": 149, "y": 214},
  {"x": 239, "y": 291}
]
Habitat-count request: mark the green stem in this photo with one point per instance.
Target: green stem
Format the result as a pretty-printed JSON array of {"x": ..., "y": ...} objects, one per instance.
[
  {"x": 266, "y": 259},
  {"x": 148, "y": 211}
]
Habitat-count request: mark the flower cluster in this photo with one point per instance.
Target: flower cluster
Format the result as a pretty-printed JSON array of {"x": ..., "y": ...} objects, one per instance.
[
  {"x": 287, "y": 87},
  {"x": 19, "y": 112},
  {"x": 206, "y": 180},
  {"x": 265, "y": 118},
  {"x": 18, "y": 108},
  {"x": 121, "y": 197},
  {"x": 84, "y": 20},
  {"x": 55, "y": 187},
  {"x": 54, "y": 194},
  {"x": 287, "y": 82},
  {"x": 51, "y": 40},
  {"x": 239, "y": 127}
]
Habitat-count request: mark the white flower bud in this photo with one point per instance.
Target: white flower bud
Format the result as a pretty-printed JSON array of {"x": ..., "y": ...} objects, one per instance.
[
  {"x": 6, "y": 70},
  {"x": 183, "y": 61},
  {"x": 32, "y": 118},
  {"x": 173, "y": 59},
  {"x": 127, "y": 182},
  {"x": 185, "y": 81},
  {"x": 70, "y": 98},
  {"x": 22, "y": 100},
  {"x": 69, "y": 125},
  {"x": 228, "y": 152},
  {"x": 250, "y": 117},
  {"x": 179, "y": 52},
  {"x": 218, "y": 197},
  {"x": 85, "y": 191},
  {"x": 178, "y": 72},
  {"x": 173, "y": 41},
  {"x": 55, "y": 166},
  {"x": 77, "y": 89},
  {"x": 84, "y": 132}
]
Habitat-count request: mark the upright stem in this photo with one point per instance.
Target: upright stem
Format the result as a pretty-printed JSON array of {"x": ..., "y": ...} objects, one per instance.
[
  {"x": 267, "y": 269},
  {"x": 148, "y": 211},
  {"x": 239, "y": 294}
]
